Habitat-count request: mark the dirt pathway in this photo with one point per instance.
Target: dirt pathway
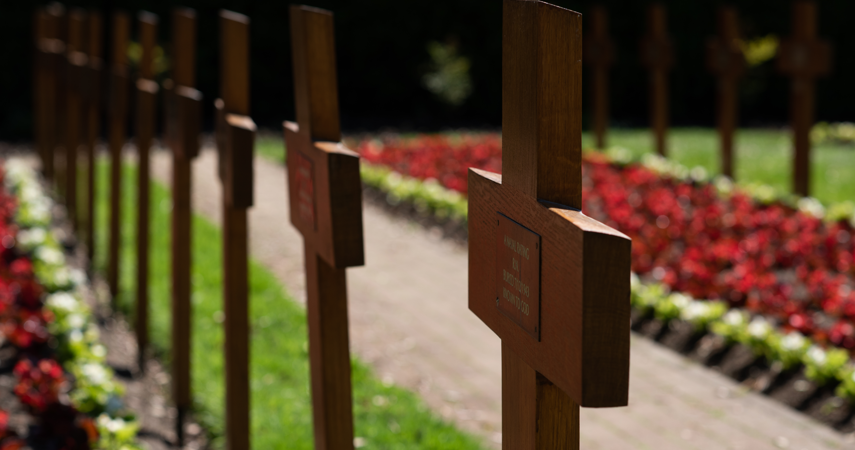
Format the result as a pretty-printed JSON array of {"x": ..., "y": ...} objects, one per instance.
[{"x": 409, "y": 320}]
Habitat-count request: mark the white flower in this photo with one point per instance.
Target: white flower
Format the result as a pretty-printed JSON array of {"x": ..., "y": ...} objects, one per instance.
[
  {"x": 75, "y": 335},
  {"x": 694, "y": 310},
  {"x": 759, "y": 327},
  {"x": 63, "y": 301},
  {"x": 76, "y": 321},
  {"x": 734, "y": 318},
  {"x": 62, "y": 276},
  {"x": 111, "y": 425},
  {"x": 50, "y": 256},
  {"x": 32, "y": 238},
  {"x": 95, "y": 373},
  {"x": 817, "y": 355},
  {"x": 680, "y": 300},
  {"x": 77, "y": 276},
  {"x": 812, "y": 206},
  {"x": 793, "y": 341}
]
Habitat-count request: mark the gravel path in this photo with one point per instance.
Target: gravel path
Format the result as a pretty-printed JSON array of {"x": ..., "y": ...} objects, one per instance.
[{"x": 409, "y": 320}]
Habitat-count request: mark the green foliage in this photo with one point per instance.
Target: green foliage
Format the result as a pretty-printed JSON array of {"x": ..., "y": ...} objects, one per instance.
[
  {"x": 385, "y": 416},
  {"x": 823, "y": 365},
  {"x": 448, "y": 76}
]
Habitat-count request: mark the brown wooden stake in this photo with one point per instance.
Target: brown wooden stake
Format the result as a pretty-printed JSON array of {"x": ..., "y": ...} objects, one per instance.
[
  {"x": 76, "y": 64},
  {"x": 599, "y": 55},
  {"x": 657, "y": 54},
  {"x": 118, "y": 121},
  {"x": 39, "y": 34},
  {"x": 804, "y": 57},
  {"x": 93, "y": 126},
  {"x": 183, "y": 125},
  {"x": 146, "y": 108},
  {"x": 60, "y": 66},
  {"x": 235, "y": 140},
  {"x": 550, "y": 281},
  {"x": 726, "y": 61},
  {"x": 326, "y": 207}
]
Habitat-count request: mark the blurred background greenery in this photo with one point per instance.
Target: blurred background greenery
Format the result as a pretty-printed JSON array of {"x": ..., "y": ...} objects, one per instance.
[{"x": 437, "y": 65}]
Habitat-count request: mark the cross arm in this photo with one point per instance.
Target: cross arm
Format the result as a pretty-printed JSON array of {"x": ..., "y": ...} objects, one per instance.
[
  {"x": 808, "y": 58},
  {"x": 325, "y": 192},
  {"x": 584, "y": 287},
  {"x": 183, "y": 119},
  {"x": 238, "y": 140}
]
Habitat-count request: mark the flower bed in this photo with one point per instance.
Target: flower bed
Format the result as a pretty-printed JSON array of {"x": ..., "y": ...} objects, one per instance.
[
  {"x": 62, "y": 378},
  {"x": 775, "y": 271}
]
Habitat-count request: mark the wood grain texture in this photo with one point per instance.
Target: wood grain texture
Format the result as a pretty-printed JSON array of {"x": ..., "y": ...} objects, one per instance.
[
  {"x": 182, "y": 125},
  {"x": 236, "y": 327},
  {"x": 184, "y": 47},
  {"x": 542, "y": 92},
  {"x": 236, "y": 139},
  {"x": 146, "y": 116},
  {"x": 329, "y": 355},
  {"x": 315, "y": 85},
  {"x": 118, "y": 119},
  {"x": 93, "y": 126},
  {"x": 321, "y": 168},
  {"x": 804, "y": 57},
  {"x": 657, "y": 54},
  {"x": 727, "y": 62},
  {"x": 234, "y": 62},
  {"x": 585, "y": 267},
  {"x": 338, "y": 235},
  {"x": 599, "y": 55},
  {"x": 76, "y": 62}
]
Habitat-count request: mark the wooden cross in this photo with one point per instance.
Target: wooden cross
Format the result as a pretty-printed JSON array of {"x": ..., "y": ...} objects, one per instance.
[
  {"x": 236, "y": 137},
  {"x": 118, "y": 119},
  {"x": 657, "y": 54},
  {"x": 550, "y": 281},
  {"x": 804, "y": 57},
  {"x": 146, "y": 103},
  {"x": 40, "y": 30},
  {"x": 599, "y": 55},
  {"x": 93, "y": 126},
  {"x": 59, "y": 66},
  {"x": 183, "y": 125},
  {"x": 77, "y": 63},
  {"x": 45, "y": 89},
  {"x": 726, "y": 61},
  {"x": 325, "y": 196}
]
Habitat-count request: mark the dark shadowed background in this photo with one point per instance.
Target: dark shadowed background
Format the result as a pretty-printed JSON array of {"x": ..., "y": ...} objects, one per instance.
[{"x": 435, "y": 65}]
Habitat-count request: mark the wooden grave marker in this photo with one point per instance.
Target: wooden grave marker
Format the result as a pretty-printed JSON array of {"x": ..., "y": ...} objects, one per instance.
[
  {"x": 93, "y": 125},
  {"x": 550, "y": 281},
  {"x": 726, "y": 61},
  {"x": 236, "y": 137},
  {"x": 59, "y": 66},
  {"x": 599, "y": 55},
  {"x": 76, "y": 64},
  {"x": 51, "y": 49},
  {"x": 119, "y": 86},
  {"x": 183, "y": 126},
  {"x": 657, "y": 54},
  {"x": 146, "y": 111},
  {"x": 40, "y": 32},
  {"x": 804, "y": 57},
  {"x": 325, "y": 195}
]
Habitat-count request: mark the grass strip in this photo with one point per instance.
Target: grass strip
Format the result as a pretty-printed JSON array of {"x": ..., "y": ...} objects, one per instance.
[{"x": 386, "y": 416}]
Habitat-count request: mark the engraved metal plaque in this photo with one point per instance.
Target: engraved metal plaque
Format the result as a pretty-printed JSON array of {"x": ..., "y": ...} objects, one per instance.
[
  {"x": 305, "y": 182},
  {"x": 518, "y": 274}
]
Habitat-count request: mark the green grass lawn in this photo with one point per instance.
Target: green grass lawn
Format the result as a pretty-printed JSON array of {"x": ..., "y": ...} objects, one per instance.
[
  {"x": 386, "y": 416},
  {"x": 761, "y": 156}
]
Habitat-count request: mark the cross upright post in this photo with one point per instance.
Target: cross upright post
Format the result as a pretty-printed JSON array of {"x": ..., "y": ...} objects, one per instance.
[
  {"x": 146, "y": 109},
  {"x": 325, "y": 197},
  {"x": 236, "y": 137},
  {"x": 40, "y": 24},
  {"x": 726, "y": 61},
  {"x": 657, "y": 54},
  {"x": 804, "y": 57},
  {"x": 183, "y": 125},
  {"x": 599, "y": 55},
  {"x": 93, "y": 126},
  {"x": 60, "y": 65},
  {"x": 552, "y": 283},
  {"x": 118, "y": 124},
  {"x": 76, "y": 63}
]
